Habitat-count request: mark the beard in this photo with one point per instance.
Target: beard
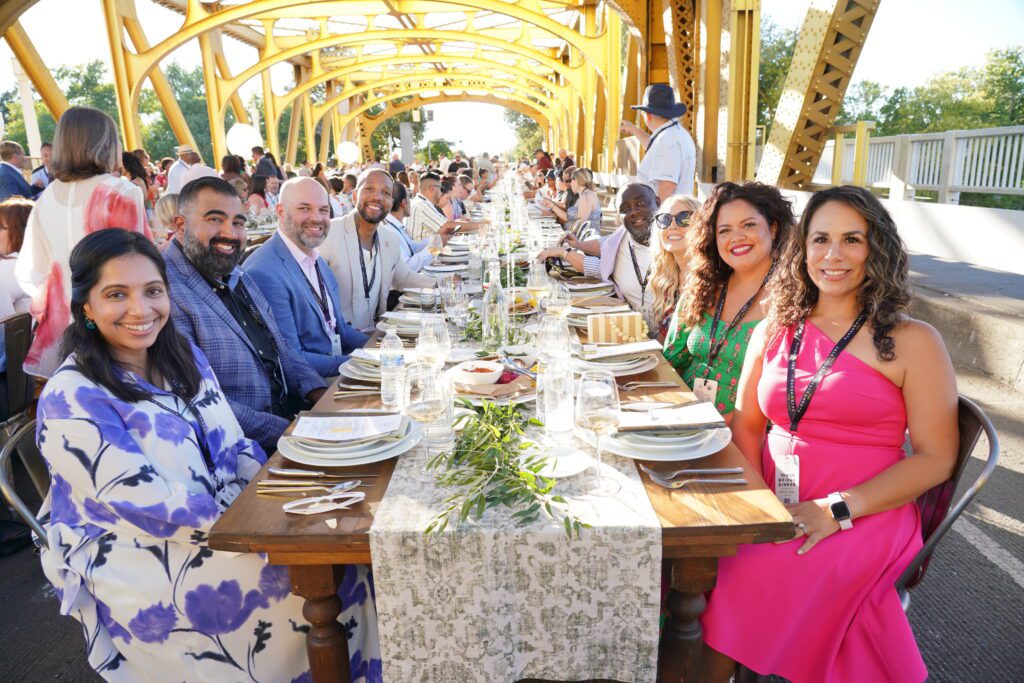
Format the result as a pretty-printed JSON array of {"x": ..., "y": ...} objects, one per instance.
[
  {"x": 641, "y": 235},
  {"x": 209, "y": 262},
  {"x": 297, "y": 232},
  {"x": 370, "y": 216}
]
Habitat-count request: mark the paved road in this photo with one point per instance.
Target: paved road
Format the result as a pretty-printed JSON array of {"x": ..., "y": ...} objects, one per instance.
[{"x": 968, "y": 614}]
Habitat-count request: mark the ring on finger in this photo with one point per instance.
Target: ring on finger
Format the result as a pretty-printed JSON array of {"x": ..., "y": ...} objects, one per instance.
[{"x": 802, "y": 527}]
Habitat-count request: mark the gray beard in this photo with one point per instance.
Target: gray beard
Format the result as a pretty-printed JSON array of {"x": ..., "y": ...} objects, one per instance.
[
  {"x": 295, "y": 233},
  {"x": 641, "y": 236}
]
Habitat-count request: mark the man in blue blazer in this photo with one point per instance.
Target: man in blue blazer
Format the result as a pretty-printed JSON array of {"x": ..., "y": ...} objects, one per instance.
[
  {"x": 222, "y": 311},
  {"x": 12, "y": 182},
  {"x": 297, "y": 282}
]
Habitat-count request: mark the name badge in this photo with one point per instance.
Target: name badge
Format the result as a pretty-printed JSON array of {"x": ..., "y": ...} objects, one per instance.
[
  {"x": 335, "y": 344},
  {"x": 787, "y": 478},
  {"x": 706, "y": 390}
]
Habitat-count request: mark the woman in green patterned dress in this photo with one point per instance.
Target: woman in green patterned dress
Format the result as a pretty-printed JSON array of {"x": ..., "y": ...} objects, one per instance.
[{"x": 732, "y": 244}]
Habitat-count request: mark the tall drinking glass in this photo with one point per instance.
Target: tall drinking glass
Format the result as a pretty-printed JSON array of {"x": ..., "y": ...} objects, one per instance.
[
  {"x": 426, "y": 396},
  {"x": 597, "y": 410}
]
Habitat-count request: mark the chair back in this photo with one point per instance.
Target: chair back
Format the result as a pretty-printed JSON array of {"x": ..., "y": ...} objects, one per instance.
[
  {"x": 23, "y": 443},
  {"x": 934, "y": 504},
  {"x": 17, "y": 339}
]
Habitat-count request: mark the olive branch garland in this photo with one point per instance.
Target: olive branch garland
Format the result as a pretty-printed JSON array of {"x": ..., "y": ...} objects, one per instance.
[{"x": 489, "y": 465}]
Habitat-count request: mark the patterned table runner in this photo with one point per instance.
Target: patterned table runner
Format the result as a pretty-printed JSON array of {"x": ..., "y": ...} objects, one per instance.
[{"x": 496, "y": 602}]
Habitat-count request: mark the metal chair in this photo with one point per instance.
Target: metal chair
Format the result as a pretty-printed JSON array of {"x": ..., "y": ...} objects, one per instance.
[
  {"x": 23, "y": 443},
  {"x": 17, "y": 339},
  {"x": 936, "y": 514}
]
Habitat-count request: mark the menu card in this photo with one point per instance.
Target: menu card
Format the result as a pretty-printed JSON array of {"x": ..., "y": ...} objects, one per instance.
[
  {"x": 695, "y": 416},
  {"x": 342, "y": 428}
]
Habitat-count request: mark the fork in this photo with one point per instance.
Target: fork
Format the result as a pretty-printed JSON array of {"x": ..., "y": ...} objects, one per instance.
[
  {"x": 686, "y": 482},
  {"x": 708, "y": 470},
  {"x": 630, "y": 386},
  {"x": 284, "y": 488}
]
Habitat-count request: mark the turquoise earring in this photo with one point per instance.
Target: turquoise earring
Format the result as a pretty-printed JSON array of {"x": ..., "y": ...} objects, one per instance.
[{"x": 89, "y": 324}]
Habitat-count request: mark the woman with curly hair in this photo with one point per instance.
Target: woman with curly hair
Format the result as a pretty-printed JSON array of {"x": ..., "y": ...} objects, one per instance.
[
  {"x": 668, "y": 262},
  {"x": 733, "y": 242},
  {"x": 840, "y": 372}
]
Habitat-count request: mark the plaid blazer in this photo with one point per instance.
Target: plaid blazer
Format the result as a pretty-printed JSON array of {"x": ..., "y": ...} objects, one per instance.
[{"x": 202, "y": 318}]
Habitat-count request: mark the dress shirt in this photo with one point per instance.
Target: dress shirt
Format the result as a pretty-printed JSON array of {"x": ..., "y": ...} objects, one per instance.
[
  {"x": 307, "y": 264},
  {"x": 176, "y": 177},
  {"x": 672, "y": 158},
  {"x": 424, "y": 218},
  {"x": 624, "y": 275},
  {"x": 41, "y": 174},
  {"x": 415, "y": 252}
]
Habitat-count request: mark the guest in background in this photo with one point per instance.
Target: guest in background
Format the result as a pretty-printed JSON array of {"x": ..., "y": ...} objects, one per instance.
[
  {"x": 297, "y": 282},
  {"x": 231, "y": 168},
  {"x": 415, "y": 253},
  {"x": 161, "y": 177},
  {"x": 137, "y": 175},
  {"x": 265, "y": 163},
  {"x": 42, "y": 175},
  {"x": 257, "y": 204},
  {"x": 732, "y": 245},
  {"x": 396, "y": 166},
  {"x": 668, "y": 262},
  {"x": 414, "y": 183},
  {"x": 340, "y": 203},
  {"x": 273, "y": 187},
  {"x": 14, "y": 215},
  {"x": 367, "y": 262},
  {"x": 841, "y": 292},
  {"x": 221, "y": 309},
  {"x": 670, "y": 162},
  {"x": 587, "y": 205},
  {"x": 83, "y": 198},
  {"x": 163, "y": 219},
  {"x": 242, "y": 188},
  {"x": 543, "y": 160},
  {"x": 145, "y": 455},
  {"x": 176, "y": 173},
  {"x": 12, "y": 181}
]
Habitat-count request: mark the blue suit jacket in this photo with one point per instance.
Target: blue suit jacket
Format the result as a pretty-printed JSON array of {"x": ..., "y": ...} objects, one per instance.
[
  {"x": 200, "y": 316},
  {"x": 296, "y": 311},
  {"x": 13, "y": 184}
]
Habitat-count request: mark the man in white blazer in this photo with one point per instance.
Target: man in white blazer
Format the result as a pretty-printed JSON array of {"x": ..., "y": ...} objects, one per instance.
[{"x": 368, "y": 261}]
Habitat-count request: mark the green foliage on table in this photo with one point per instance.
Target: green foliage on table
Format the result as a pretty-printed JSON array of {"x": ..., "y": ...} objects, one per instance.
[
  {"x": 490, "y": 466},
  {"x": 518, "y": 277},
  {"x": 475, "y": 327}
]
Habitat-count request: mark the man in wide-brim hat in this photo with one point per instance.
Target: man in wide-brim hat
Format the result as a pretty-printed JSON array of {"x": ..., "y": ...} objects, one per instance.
[{"x": 670, "y": 163}]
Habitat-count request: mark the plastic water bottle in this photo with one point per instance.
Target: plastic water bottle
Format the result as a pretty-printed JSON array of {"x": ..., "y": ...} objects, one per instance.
[{"x": 392, "y": 371}]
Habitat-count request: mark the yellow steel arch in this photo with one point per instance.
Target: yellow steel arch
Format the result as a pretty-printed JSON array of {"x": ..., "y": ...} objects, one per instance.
[{"x": 374, "y": 122}]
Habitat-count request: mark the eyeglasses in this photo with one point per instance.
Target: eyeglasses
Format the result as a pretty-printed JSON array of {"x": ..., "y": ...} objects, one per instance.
[{"x": 665, "y": 220}]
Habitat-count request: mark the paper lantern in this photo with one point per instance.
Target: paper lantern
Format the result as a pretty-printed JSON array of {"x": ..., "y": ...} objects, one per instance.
[
  {"x": 348, "y": 152},
  {"x": 242, "y": 138}
]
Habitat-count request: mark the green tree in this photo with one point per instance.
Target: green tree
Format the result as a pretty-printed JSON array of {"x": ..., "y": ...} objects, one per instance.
[
  {"x": 529, "y": 135},
  {"x": 388, "y": 134},
  {"x": 436, "y": 147},
  {"x": 190, "y": 92},
  {"x": 777, "y": 46}
]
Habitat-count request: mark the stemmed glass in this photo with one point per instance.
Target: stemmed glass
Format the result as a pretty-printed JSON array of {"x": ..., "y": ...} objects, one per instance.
[
  {"x": 456, "y": 305},
  {"x": 426, "y": 396},
  {"x": 434, "y": 245},
  {"x": 537, "y": 283},
  {"x": 434, "y": 344},
  {"x": 559, "y": 300},
  {"x": 597, "y": 410}
]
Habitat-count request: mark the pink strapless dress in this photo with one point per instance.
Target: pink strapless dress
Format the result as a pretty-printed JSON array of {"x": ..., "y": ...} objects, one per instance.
[{"x": 833, "y": 614}]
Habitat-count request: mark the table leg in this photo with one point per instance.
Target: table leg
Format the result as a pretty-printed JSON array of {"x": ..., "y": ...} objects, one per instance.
[
  {"x": 680, "y": 650},
  {"x": 326, "y": 642}
]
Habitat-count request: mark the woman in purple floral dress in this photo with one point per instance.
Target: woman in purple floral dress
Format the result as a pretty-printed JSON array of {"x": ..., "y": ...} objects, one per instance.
[{"x": 145, "y": 454}]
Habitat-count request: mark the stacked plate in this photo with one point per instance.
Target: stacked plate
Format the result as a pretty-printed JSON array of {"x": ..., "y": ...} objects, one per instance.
[
  {"x": 620, "y": 366},
  {"x": 359, "y": 369},
  {"x": 407, "y": 322},
  {"x": 668, "y": 446},
  {"x": 342, "y": 454},
  {"x": 444, "y": 268},
  {"x": 578, "y": 316},
  {"x": 585, "y": 287}
]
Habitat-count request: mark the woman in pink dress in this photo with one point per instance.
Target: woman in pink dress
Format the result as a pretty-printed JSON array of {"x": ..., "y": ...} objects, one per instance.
[
  {"x": 84, "y": 198},
  {"x": 822, "y": 607}
]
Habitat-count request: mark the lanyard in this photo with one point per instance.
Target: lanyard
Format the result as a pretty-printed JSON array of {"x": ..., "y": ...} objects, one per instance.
[
  {"x": 321, "y": 296},
  {"x": 796, "y": 411},
  {"x": 717, "y": 344},
  {"x": 200, "y": 433},
  {"x": 641, "y": 279},
  {"x": 397, "y": 225},
  {"x": 650, "y": 143},
  {"x": 368, "y": 284}
]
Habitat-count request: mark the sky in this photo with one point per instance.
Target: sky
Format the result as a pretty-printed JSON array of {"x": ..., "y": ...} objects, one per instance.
[{"x": 904, "y": 48}]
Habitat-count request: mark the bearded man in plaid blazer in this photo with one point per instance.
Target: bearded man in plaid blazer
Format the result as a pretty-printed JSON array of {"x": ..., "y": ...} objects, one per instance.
[{"x": 221, "y": 310}]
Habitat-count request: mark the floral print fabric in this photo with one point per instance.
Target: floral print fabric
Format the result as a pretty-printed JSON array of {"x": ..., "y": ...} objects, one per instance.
[{"x": 135, "y": 490}]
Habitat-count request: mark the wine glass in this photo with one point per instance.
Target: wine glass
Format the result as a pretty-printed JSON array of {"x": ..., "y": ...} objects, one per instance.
[
  {"x": 434, "y": 344},
  {"x": 537, "y": 283},
  {"x": 559, "y": 300},
  {"x": 434, "y": 245},
  {"x": 426, "y": 396},
  {"x": 597, "y": 410}
]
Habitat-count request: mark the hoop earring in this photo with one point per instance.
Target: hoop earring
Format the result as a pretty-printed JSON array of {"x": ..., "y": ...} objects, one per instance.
[{"x": 89, "y": 324}]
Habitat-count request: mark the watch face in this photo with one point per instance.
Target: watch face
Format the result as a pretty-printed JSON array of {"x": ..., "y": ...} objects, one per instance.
[{"x": 840, "y": 510}]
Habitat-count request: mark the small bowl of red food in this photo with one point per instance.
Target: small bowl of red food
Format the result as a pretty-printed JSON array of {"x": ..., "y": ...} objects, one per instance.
[{"x": 477, "y": 372}]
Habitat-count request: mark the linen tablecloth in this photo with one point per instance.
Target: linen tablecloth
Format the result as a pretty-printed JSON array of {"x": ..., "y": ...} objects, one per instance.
[{"x": 493, "y": 601}]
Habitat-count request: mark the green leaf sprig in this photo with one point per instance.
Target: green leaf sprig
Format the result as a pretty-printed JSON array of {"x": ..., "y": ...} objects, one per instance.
[{"x": 490, "y": 467}]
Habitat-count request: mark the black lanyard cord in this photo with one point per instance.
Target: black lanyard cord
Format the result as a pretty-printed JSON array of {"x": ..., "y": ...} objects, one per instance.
[
  {"x": 368, "y": 284},
  {"x": 321, "y": 297},
  {"x": 641, "y": 279},
  {"x": 650, "y": 143},
  {"x": 797, "y": 411},
  {"x": 717, "y": 345}
]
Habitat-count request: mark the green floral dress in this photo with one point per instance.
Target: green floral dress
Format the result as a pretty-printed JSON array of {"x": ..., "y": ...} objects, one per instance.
[{"x": 687, "y": 351}]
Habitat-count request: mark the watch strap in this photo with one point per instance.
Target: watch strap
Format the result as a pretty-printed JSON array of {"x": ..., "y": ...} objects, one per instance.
[{"x": 845, "y": 521}]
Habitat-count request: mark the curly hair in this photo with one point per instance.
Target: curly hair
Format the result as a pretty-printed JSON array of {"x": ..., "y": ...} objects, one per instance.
[
  {"x": 666, "y": 277},
  {"x": 708, "y": 271},
  {"x": 885, "y": 292}
]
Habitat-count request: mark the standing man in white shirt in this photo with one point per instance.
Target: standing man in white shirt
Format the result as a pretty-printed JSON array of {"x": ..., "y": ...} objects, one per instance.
[
  {"x": 41, "y": 176},
  {"x": 670, "y": 163},
  {"x": 178, "y": 170}
]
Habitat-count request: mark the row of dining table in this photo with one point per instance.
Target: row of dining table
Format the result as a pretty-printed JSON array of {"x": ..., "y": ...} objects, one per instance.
[{"x": 699, "y": 524}]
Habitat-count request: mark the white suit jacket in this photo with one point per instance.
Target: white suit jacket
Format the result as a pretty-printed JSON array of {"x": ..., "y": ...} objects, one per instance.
[{"x": 341, "y": 251}]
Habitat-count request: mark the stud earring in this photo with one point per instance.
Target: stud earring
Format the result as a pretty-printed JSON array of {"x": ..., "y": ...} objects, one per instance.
[{"x": 89, "y": 324}]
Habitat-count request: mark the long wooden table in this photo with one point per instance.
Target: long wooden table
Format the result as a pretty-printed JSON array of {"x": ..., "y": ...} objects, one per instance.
[{"x": 699, "y": 525}]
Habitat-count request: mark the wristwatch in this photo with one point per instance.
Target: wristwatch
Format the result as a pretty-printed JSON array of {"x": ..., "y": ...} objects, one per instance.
[{"x": 840, "y": 511}]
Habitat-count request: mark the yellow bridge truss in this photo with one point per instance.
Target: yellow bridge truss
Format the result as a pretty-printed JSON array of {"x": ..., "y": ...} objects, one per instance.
[{"x": 574, "y": 66}]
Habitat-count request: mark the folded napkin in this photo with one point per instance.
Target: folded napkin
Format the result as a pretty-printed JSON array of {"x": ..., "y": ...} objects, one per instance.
[
  {"x": 594, "y": 352},
  {"x": 702, "y": 415},
  {"x": 519, "y": 385},
  {"x": 597, "y": 301}
]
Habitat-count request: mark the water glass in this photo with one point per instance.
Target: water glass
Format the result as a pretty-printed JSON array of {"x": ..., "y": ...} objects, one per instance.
[
  {"x": 557, "y": 399},
  {"x": 597, "y": 410},
  {"x": 434, "y": 344},
  {"x": 559, "y": 300}
]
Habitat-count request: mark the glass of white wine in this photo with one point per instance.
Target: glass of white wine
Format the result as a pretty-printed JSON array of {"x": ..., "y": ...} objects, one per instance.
[
  {"x": 538, "y": 283},
  {"x": 559, "y": 300},
  {"x": 434, "y": 343},
  {"x": 425, "y": 400},
  {"x": 434, "y": 245},
  {"x": 597, "y": 410}
]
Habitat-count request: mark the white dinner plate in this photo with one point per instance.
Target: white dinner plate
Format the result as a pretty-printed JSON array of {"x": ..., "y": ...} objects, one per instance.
[
  {"x": 666, "y": 447},
  {"x": 658, "y": 439},
  {"x": 718, "y": 440},
  {"x": 347, "y": 370},
  {"x": 343, "y": 450},
  {"x": 446, "y": 268},
  {"x": 649, "y": 364},
  {"x": 565, "y": 461},
  {"x": 406, "y": 444}
]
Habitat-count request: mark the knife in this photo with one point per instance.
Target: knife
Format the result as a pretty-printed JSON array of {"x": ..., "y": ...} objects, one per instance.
[{"x": 285, "y": 472}]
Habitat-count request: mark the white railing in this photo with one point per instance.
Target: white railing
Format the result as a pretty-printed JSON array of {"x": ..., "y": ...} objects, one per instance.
[{"x": 986, "y": 160}]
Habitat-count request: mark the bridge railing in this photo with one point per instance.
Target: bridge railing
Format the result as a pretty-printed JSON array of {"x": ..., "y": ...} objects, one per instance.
[{"x": 985, "y": 160}]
